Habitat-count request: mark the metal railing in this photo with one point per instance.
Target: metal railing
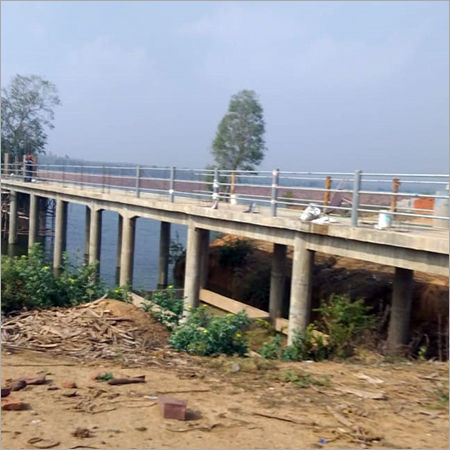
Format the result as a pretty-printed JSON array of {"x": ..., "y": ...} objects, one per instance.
[{"x": 417, "y": 199}]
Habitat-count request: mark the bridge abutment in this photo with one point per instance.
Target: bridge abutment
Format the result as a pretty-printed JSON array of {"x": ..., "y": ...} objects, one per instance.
[
  {"x": 277, "y": 281},
  {"x": 398, "y": 332},
  {"x": 164, "y": 248},
  {"x": 60, "y": 234},
  {"x": 12, "y": 232},
  {"x": 127, "y": 250},
  {"x": 95, "y": 235},
  {"x": 300, "y": 302},
  {"x": 192, "y": 270},
  {"x": 33, "y": 220},
  {"x": 87, "y": 231}
]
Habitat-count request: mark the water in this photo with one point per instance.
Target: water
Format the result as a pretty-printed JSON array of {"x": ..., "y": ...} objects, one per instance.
[{"x": 145, "y": 274}]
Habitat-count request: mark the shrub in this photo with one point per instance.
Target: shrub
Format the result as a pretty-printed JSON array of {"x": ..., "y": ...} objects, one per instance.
[
  {"x": 28, "y": 282},
  {"x": 170, "y": 308},
  {"x": 234, "y": 254},
  {"x": 345, "y": 322},
  {"x": 308, "y": 344},
  {"x": 204, "y": 334},
  {"x": 122, "y": 293},
  {"x": 272, "y": 348}
]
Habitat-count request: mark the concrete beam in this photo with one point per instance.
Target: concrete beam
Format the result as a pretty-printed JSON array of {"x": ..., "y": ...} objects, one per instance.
[
  {"x": 277, "y": 281},
  {"x": 192, "y": 271},
  {"x": 300, "y": 304},
  {"x": 33, "y": 222},
  {"x": 398, "y": 332},
  {"x": 164, "y": 248},
  {"x": 60, "y": 233},
  {"x": 12, "y": 233},
  {"x": 95, "y": 235},
  {"x": 127, "y": 251}
]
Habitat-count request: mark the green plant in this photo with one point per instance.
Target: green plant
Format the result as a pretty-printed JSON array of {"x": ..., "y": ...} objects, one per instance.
[
  {"x": 235, "y": 253},
  {"x": 176, "y": 250},
  {"x": 272, "y": 348},
  {"x": 105, "y": 376},
  {"x": 308, "y": 344},
  {"x": 205, "y": 334},
  {"x": 303, "y": 379},
  {"x": 166, "y": 307},
  {"x": 122, "y": 293},
  {"x": 29, "y": 282},
  {"x": 345, "y": 322}
]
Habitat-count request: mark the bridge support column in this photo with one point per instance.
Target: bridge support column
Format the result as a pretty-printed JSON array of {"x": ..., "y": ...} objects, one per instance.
[
  {"x": 204, "y": 257},
  {"x": 60, "y": 234},
  {"x": 164, "y": 247},
  {"x": 95, "y": 235},
  {"x": 119, "y": 247},
  {"x": 398, "y": 332},
  {"x": 87, "y": 233},
  {"x": 12, "y": 233},
  {"x": 33, "y": 222},
  {"x": 192, "y": 271},
  {"x": 127, "y": 251},
  {"x": 277, "y": 281},
  {"x": 300, "y": 302}
]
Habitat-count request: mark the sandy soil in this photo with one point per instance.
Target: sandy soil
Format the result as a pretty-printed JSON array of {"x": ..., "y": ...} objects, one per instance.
[{"x": 233, "y": 403}]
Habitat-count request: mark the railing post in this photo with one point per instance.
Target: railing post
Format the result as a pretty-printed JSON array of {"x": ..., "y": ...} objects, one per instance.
[
  {"x": 172, "y": 185},
  {"x": 138, "y": 180},
  {"x": 64, "y": 175},
  {"x": 103, "y": 178},
  {"x": 355, "y": 197},
  {"x": 274, "y": 196},
  {"x": 216, "y": 185},
  {"x": 81, "y": 176}
]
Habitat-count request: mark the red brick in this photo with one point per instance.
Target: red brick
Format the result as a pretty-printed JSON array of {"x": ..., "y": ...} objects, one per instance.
[
  {"x": 12, "y": 404},
  {"x": 69, "y": 384},
  {"x": 172, "y": 408}
]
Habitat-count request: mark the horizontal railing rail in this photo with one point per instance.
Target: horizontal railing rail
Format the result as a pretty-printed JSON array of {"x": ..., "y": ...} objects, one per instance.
[{"x": 416, "y": 199}]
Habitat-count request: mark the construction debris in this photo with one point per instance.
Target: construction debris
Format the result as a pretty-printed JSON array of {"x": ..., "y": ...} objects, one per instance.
[{"x": 89, "y": 331}]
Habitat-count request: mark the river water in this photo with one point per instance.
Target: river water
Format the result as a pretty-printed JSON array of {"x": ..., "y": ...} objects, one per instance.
[{"x": 145, "y": 274}]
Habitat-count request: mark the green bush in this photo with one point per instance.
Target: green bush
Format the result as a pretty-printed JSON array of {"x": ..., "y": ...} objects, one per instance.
[
  {"x": 204, "y": 334},
  {"x": 170, "y": 308},
  {"x": 345, "y": 322},
  {"x": 342, "y": 325},
  {"x": 122, "y": 293},
  {"x": 235, "y": 253},
  {"x": 29, "y": 282}
]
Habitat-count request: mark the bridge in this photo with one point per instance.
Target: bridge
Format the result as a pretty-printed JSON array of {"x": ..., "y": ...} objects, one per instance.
[{"x": 245, "y": 205}]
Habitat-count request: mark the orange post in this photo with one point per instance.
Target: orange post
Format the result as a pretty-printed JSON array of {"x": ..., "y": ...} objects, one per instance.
[
  {"x": 326, "y": 194},
  {"x": 395, "y": 187}
]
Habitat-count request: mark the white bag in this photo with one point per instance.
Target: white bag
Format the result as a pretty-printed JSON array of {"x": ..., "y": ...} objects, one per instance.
[{"x": 310, "y": 213}]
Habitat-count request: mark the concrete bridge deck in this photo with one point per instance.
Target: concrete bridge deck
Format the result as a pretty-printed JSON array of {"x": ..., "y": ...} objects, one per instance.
[{"x": 407, "y": 249}]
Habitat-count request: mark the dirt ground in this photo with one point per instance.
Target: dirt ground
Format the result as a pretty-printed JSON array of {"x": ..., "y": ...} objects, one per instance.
[{"x": 232, "y": 403}]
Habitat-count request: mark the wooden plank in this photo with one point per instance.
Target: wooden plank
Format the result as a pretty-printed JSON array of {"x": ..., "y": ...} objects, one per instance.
[
  {"x": 230, "y": 305},
  {"x": 282, "y": 325}
]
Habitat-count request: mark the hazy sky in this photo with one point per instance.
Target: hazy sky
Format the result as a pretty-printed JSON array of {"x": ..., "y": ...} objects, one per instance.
[{"x": 344, "y": 85}]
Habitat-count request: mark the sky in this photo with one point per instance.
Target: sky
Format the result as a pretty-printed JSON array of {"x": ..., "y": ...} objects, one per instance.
[{"x": 344, "y": 85}]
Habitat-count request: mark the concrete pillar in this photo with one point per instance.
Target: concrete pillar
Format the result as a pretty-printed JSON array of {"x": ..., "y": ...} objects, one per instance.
[
  {"x": 33, "y": 222},
  {"x": 300, "y": 303},
  {"x": 60, "y": 233},
  {"x": 119, "y": 248},
  {"x": 277, "y": 281},
  {"x": 164, "y": 248},
  {"x": 87, "y": 233},
  {"x": 192, "y": 271},
  {"x": 204, "y": 257},
  {"x": 6, "y": 164},
  {"x": 12, "y": 234},
  {"x": 398, "y": 332},
  {"x": 127, "y": 250},
  {"x": 95, "y": 235}
]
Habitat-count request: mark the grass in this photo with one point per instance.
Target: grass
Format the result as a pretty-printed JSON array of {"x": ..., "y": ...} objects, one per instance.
[{"x": 303, "y": 379}]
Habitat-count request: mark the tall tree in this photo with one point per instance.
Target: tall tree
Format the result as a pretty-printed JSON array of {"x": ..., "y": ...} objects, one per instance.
[
  {"x": 239, "y": 143},
  {"x": 27, "y": 111}
]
